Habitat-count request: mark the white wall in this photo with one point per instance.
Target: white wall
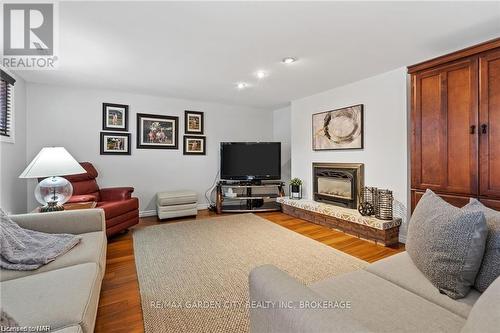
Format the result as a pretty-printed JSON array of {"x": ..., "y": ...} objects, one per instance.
[
  {"x": 72, "y": 117},
  {"x": 13, "y": 156},
  {"x": 282, "y": 133},
  {"x": 385, "y": 132}
]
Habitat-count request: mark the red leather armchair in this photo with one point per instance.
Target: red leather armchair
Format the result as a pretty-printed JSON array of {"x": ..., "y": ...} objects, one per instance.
[{"x": 120, "y": 208}]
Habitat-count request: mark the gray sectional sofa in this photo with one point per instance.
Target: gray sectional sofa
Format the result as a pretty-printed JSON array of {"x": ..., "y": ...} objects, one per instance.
[
  {"x": 391, "y": 295},
  {"x": 63, "y": 294}
]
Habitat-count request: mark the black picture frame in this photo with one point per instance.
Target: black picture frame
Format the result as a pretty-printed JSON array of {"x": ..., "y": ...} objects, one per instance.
[
  {"x": 103, "y": 142},
  {"x": 110, "y": 127},
  {"x": 198, "y": 114},
  {"x": 142, "y": 140},
  {"x": 316, "y": 147},
  {"x": 193, "y": 137}
]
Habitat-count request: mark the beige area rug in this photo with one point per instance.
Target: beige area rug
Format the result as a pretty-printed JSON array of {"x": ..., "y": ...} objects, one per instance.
[{"x": 193, "y": 275}]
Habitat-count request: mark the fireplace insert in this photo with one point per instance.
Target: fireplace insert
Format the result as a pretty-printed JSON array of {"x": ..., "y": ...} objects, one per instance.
[{"x": 338, "y": 183}]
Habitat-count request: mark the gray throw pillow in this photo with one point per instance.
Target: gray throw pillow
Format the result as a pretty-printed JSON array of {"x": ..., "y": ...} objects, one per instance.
[
  {"x": 490, "y": 267},
  {"x": 446, "y": 244}
]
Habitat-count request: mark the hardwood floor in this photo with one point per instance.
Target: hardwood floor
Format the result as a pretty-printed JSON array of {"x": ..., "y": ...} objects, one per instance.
[{"x": 120, "y": 304}]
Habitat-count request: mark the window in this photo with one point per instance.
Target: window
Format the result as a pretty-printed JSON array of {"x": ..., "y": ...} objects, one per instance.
[{"x": 6, "y": 112}]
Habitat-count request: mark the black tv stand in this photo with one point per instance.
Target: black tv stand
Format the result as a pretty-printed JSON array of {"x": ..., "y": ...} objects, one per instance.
[
  {"x": 244, "y": 182},
  {"x": 248, "y": 196}
]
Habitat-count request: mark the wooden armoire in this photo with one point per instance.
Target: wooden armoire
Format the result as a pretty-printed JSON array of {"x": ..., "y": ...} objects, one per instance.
[{"x": 455, "y": 126}]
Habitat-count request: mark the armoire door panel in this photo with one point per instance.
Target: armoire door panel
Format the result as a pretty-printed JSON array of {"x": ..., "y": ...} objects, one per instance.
[
  {"x": 461, "y": 105},
  {"x": 445, "y": 108},
  {"x": 489, "y": 114},
  {"x": 432, "y": 136}
]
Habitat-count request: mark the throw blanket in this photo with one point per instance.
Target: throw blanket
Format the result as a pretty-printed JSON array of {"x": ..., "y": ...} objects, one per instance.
[{"x": 25, "y": 250}]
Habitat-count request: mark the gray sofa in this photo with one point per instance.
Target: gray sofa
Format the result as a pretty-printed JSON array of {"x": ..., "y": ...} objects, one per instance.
[
  {"x": 391, "y": 295},
  {"x": 63, "y": 294}
]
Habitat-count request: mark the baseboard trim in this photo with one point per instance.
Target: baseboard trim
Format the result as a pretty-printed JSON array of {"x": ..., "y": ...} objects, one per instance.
[{"x": 148, "y": 213}]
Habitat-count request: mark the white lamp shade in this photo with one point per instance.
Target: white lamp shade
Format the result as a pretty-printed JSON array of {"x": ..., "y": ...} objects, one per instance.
[{"x": 52, "y": 161}]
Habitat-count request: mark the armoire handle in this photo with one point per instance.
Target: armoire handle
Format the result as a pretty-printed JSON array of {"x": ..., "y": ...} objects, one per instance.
[
  {"x": 472, "y": 129},
  {"x": 484, "y": 128}
]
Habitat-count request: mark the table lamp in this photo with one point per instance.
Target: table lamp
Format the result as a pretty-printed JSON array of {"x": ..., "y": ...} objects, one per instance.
[{"x": 53, "y": 191}]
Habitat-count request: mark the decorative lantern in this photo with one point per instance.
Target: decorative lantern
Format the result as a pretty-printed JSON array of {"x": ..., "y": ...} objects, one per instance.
[
  {"x": 375, "y": 202},
  {"x": 384, "y": 205},
  {"x": 367, "y": 198}
]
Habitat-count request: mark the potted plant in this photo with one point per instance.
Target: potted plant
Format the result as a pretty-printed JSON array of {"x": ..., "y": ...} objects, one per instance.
[{"x": 296, "y": 188}]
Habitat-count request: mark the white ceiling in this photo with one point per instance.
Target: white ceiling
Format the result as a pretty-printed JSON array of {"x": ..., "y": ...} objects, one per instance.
[{"x": 201, "y": 50}]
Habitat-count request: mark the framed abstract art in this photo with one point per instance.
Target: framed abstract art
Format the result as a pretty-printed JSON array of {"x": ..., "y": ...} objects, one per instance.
[{"x": 338, "y": 129}]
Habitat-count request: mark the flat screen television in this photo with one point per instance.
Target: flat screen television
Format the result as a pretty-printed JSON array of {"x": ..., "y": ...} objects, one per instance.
[{"x": 250, "y": 160}]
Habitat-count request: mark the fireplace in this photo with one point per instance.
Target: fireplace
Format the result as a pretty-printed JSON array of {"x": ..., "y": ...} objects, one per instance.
[{"x": 338, "y": 183}]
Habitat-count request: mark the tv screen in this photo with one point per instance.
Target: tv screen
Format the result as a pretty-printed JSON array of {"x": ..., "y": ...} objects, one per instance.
[{"x": 250, "y": 160}]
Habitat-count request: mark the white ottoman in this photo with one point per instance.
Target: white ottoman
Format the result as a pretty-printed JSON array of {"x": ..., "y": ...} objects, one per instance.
[{"x": 176, "y": 204}]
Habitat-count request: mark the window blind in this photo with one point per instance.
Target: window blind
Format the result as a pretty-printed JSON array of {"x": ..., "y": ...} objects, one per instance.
[{"x": 6, "y": 85}]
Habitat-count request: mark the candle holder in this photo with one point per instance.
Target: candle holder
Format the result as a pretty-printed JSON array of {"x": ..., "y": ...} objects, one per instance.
[
  {"x": 367, "y": 201},
  {"x": 384, "y": 205}
]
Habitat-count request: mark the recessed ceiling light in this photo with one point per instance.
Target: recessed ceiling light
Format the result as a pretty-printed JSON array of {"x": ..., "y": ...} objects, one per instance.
[
  {"x": 241, "y": 85},
  {"x": 289, "y": 60},
  {"x": 261, "y": 74}
]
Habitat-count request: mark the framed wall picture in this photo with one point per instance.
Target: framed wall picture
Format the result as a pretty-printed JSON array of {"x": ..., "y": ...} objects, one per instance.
[
  {"x": 193, "y": 122},
  {"x": 338, "y": 129},
  {"x": 157, "y": 131},
  {"x": 115, "y": 143},
  {"x": 114, "y": 117},
  {"x": 194, "y": 145}
]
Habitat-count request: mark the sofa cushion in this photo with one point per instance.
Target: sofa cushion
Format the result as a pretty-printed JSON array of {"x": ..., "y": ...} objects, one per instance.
[
  {"x": 60, "y": 298},
  {"x": 89, "y": 174},
  {"x": 270, "y": 285},
  {"x": 85, "y": 183},
  {"x": 400, "y": 270},
  {"x": 92, "y": 248},
  {"x": 176, "y": 198},
  {"x": 485, "y": 315},
  {"x": 116, "y": 208},
  {"x": 447, "y": 244},
  {"x": 89, "y": 187},
  {"x": 382, "y": 306},
  {"x": 490, "y": 267}
]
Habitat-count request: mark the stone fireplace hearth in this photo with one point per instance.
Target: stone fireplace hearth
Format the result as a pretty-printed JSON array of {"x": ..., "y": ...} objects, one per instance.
[{"x": 338, "y": 183}]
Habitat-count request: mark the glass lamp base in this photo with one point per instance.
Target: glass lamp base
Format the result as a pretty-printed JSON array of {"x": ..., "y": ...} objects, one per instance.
[
  {"x": 53, "y": 192},
  {"x": 51, "y": 207}
]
